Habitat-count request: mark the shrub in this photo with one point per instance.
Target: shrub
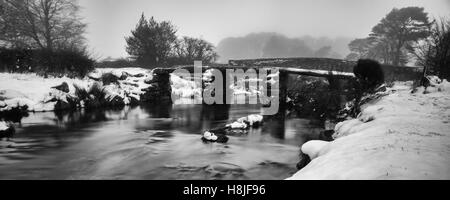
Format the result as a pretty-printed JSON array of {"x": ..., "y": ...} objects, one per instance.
[
  {"x": 72, "y": 63},
  {"x": 119, "y": 63},
  {"x": 93, "y": 97}
]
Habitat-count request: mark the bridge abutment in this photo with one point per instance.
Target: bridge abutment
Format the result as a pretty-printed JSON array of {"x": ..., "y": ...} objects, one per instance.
[
  {"x": 160, "y": 90},
  {"x": 282, "y": 94}
]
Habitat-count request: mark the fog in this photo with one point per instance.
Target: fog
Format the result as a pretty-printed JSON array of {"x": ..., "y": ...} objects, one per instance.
[{"x": 109, "y": 21}]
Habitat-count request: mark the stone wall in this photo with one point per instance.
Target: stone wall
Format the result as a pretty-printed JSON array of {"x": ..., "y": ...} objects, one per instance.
[
  {"x": 401, "y": 73},
  {"x": 392, "y": 73}
]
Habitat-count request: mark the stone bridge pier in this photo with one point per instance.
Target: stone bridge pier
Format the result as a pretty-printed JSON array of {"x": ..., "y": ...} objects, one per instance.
[{"x": 160, "y": 90}]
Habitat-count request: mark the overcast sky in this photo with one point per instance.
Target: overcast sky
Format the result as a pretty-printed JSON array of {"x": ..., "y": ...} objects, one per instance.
[{"x": 109, "y": 21}]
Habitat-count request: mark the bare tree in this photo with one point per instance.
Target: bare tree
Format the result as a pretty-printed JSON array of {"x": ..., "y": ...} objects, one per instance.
[
  {"x": 434, "y": 52},
  {"x": 44, "y": 24},
  {"x": 187, "y": 49}
]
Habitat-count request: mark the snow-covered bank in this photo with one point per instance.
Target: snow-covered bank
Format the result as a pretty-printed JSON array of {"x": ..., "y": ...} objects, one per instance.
[
  {"x": 126, "y": 85},
  {"x": 31, "y": 90},
  {"x": 36, "y": 92},
  {"x": 400, "y": 136},
  {"x": 3, "y": 126}
]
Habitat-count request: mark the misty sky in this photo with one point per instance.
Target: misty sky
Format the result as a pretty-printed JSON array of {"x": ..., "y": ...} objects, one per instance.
[{"x": 109, "y": 21}]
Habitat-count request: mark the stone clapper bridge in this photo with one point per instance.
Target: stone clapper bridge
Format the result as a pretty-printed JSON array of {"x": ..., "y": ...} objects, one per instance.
[{"x": 336, "y": 71}]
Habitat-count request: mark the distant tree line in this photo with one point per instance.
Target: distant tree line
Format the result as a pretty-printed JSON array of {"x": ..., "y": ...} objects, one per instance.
[
  {"x": 154, "y": 43},
  {"x": 43, "y": 35},
  {"x": 275, "y": 45}
]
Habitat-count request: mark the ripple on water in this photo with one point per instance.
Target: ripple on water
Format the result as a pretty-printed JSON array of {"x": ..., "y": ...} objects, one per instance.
[
  {"x": 152, "y": 147},
  {"x": 217, "y": 170},
  {"x": 157, "y": 136}
]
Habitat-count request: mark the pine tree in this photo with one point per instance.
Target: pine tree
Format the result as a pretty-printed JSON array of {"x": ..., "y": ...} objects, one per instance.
[
  {"x": 151, "y": 42},
  {"x": 396, "y": 32}
]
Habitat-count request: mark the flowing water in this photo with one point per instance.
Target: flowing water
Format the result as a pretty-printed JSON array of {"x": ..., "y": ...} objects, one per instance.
[{"x": 151, "y": 142}]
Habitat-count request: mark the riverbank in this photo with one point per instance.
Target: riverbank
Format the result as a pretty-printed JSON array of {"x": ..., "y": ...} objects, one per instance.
[
  {"x": 29, "y": 92},
  {"x": 402, "y": 135}
]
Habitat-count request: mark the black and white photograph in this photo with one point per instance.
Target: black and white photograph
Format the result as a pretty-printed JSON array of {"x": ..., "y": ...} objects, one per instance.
[{"x": 232, "y": 90}]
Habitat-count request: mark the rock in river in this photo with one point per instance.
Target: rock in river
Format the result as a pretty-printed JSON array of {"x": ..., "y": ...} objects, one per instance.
[{"x": 6, "y": 130}]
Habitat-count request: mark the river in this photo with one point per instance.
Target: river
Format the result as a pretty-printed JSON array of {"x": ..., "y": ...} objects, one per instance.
[{"x": 151, "y": 142}]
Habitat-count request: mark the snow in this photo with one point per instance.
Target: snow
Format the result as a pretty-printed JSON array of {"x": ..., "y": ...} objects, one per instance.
[
  {"x": 312, "y": 148},
  {"x": 118, "y": 71},
  {"x": 239, "y": 88},
  {"x": 208, "y": 75},
  {"x": 251, "y": 119},
  {"x": 403, "y": 135},
  {"x": 246, "y": 122},
  {"x": 30, "y": 90},
  {"x": 185, "y": 88},
  {"x": 237, "y": 125},
  {"x": 209, "y": 136},
  {"x": 35, "y": 91},
  {"x": 3, "y": 126},
  {"x": 111, "y": 91},
  {"x": 319, "y": 72},
  {"x": 131, "y": 86}
]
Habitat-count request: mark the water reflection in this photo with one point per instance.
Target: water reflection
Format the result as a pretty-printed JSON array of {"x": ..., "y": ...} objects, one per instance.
[{"x": 151, "y": 142}]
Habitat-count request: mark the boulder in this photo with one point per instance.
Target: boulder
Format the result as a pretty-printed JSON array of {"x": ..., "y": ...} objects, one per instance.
[
  {"x": 64, "y": 87},
  {"x": 109, "y": 78},
  {"x": 253, "y": 120},
  {"x": 237, "y": 125},
  {"x": 209, "y": 136},
  {"x": 7, "y": 130},
  {"x": 124, "y": 76}
]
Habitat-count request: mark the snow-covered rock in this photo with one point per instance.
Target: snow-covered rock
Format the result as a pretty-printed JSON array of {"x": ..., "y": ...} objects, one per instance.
[
  {"x": 6, "y": 129},
  {"x": 237, "y": 125},
  {"x": 64, "y": 87},
  {"x": 243, "y": 123},
  {"x": 402, "y": 135},
  {"x": 312, "y": 148},
  {"x": 3, "y": 126},
  {"x": 210, "y": 136},
  {"x": 254, "y": 119},
  {"x": 434, "y": 80}
]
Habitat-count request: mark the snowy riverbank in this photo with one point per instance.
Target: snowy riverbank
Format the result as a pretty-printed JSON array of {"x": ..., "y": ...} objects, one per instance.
[
  {"x": 403, "y": 135},
  {"x": 35, "y": 93}
]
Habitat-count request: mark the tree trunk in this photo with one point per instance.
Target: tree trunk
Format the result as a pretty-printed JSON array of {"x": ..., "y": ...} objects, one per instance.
[{"x": 398, "y": 52}]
